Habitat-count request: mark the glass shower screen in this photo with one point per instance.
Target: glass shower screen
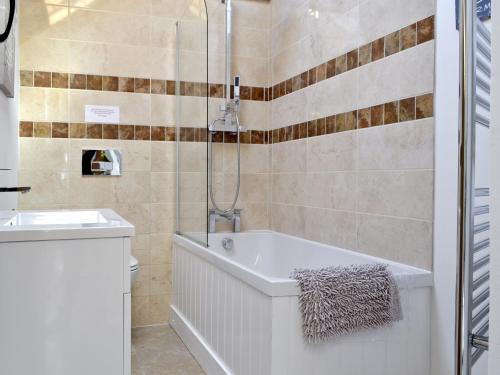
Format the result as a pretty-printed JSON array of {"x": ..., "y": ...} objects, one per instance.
[{"x": 191, "y": 93}]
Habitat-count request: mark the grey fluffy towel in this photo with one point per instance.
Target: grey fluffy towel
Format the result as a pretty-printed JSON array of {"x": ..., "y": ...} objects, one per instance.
[{"x": 340, "y": 300}]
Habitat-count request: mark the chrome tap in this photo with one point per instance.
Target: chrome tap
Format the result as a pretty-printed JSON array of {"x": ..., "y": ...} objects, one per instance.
[{"x": 233, "y": 216}]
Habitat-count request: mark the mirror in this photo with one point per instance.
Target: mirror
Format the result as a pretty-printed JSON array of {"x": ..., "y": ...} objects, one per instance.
[{"x": 9, "y": 8}]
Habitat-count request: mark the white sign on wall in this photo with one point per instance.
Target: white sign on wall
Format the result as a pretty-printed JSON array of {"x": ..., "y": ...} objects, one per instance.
[{"x": 102, "y": 114}]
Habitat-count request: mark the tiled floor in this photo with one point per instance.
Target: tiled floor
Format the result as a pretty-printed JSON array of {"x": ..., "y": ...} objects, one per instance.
[{"x": 159, "y": 351}]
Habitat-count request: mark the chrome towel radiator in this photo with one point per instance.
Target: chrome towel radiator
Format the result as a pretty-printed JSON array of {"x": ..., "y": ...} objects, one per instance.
[{"x": 472, "y": 315}]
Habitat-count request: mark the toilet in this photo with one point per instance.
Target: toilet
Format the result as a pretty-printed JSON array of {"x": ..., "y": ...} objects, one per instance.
[{"x": 134, "y": 269}]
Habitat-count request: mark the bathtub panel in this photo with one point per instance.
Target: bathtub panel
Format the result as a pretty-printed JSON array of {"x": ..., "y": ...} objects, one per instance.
[
  {"x": 400, "y": 348},
  {"x": 233, "y": 318},
  {"x": 217, "y": 312},
  {"x": 281, "y": 335}
]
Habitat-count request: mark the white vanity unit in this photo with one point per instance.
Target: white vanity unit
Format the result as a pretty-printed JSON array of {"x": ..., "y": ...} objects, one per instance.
[{"x": 64, "y": 293}]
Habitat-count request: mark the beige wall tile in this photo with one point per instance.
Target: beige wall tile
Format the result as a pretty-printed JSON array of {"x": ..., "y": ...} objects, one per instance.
[
  {"x": 159, "y": 308},
  {"x": 194, "y": 34},
  {"x": 48, "y": 55},
  {"x": 43, "y": 21},
  {"x": 96, "y": 26},
  {"x": 133, "y": 187},
  {"x": 41, "y": 104},
  {"x": 379, "y": 19},
  {"x": 168, "y": 8},
  {"x": 408, "y": 145},
  {"x": 193, "y": 111},
  {"x": 281, "y": 9},
  {"x": 252, "y": 14},
  {"x": 163, "y": 110},
  {"x": 254, "y": 71},
  {"x": 43, "y": 154},
  {"x": 194, "y": 67},
  {"x": 336, "y": 228},
  {"x": 48, "y": 188},
  {"x": 163, "y": 187},
  {"x": 136, "y": 156},
  {"x": 254, "y": 159},
  {"x": 334, "y": 152},
  {"x": 287, "y": 63},
  {"x": 90, "y": 189},
  {"x": 406, "y": 194},
  {"x": 161, "y": 279},
  {"x": 289, "y": 188},
  {"x": 250, "y": 42},
  {"x": 335, "y": 190},
  {"x": 193, "y": 187},
  {"x": 161, "y": 248},
  {"x": 402, "y": 75},
  {"x": 163, "y": 156},
  {"x": 404, "y": 240},
  {"x": 120, "y": 6},
  {"x": 290, "y": 156},
  {"x": 140, "y": 311},
  {"x": 194, "y": 218},
  {"x": 163, "y": 32},
  {"x": 138, "y": 214},
  {"x": 162, "y": 218},
  {"x": 292, "y": 29},
  {"x": 254, "y": 216},
  {"x": 110, "y": 59},
  {"x": 50, "y": 2},
  {"x": 330, "y": 11},
  {"x": 289, "y": 219},
  {"x": 193, "y": 157},
  {"x": 289, "y": 109},
  {"x": 254, "y": 188},
  {"x": 255, "y": 115},
  {"x": 141, "y": 248},
  {"x": 163, "y": 65},
  {"x": 333, "y": 96}
]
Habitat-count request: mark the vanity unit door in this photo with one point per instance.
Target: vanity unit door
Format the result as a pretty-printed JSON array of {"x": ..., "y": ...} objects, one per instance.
[{"x": 62, "y": 307}]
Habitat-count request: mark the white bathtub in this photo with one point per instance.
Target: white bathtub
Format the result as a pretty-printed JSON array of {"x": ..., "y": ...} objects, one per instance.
[{"x": 238, "y": 313}]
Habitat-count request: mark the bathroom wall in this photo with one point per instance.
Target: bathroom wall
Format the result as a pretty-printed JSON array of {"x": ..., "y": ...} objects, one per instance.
[
  {"x": 122, "y": 53},
  {"x": 353, "y": 126}
]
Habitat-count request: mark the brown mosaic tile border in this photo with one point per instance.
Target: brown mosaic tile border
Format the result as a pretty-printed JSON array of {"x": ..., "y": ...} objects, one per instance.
[
  {"x": 395, "y": 42},
  {"x": 28, "y": 129},
  {"x": 398, "y": 111},
  {"x": 92, "y": 82}
]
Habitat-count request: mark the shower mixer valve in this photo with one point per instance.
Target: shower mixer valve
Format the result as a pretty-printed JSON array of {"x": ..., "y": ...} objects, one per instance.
[{"x": 230, "y": 111}]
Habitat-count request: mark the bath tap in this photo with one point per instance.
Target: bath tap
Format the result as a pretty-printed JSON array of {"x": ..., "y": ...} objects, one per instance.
[{"x": 234, "y": 216}]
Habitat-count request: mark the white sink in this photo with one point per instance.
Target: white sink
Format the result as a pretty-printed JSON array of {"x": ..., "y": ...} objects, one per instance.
[
  {"x": 62, "y": 224},
  {"x": 56, "y": 218}
]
